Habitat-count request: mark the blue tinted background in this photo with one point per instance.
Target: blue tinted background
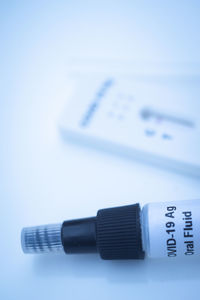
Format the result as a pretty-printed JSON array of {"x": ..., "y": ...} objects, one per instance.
[{"x": 45, "y": 180}]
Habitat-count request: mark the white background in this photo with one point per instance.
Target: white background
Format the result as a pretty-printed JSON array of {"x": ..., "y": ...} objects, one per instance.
[{"x": 43, "y": 179}]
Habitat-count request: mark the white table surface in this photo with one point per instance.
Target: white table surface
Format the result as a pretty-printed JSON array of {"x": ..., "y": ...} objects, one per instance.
[{"x": 44, "y": 180}]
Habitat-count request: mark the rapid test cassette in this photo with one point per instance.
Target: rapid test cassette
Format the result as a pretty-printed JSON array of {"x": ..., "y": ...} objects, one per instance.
[{"x": 154, "y": 119}]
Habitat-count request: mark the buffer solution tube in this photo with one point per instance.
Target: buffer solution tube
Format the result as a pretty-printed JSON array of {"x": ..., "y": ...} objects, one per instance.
[{"x": 164, "y": 229}]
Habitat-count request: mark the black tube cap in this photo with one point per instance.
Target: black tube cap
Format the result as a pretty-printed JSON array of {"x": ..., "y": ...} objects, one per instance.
[
  {"x": 119, "y": 233},
  {"x": 79, "y": 236}
]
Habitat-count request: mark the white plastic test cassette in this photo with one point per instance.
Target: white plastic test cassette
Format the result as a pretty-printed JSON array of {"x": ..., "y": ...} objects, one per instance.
[{"x": 154, "y": 117}]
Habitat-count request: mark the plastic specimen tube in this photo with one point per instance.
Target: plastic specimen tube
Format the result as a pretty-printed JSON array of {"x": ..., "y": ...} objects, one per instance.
[{"x": 165, "y": 229}]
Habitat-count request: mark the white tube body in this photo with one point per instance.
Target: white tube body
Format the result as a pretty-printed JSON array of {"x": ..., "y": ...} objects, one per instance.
[{"x": 171, "y": 229}]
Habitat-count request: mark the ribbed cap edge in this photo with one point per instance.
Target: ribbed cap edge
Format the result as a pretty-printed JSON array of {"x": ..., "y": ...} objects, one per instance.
[{"x": 119, "y": 233}]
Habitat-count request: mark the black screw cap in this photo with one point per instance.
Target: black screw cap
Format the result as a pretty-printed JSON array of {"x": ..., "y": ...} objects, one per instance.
[{"x": 119, "y": 233}]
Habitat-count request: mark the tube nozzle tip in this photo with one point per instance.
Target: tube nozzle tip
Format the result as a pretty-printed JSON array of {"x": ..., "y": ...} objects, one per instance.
[{"x": 42, "y": 239}]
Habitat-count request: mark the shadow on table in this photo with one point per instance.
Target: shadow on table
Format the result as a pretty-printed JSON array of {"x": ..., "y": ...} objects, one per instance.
[{"x": 90, "y": 266}]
